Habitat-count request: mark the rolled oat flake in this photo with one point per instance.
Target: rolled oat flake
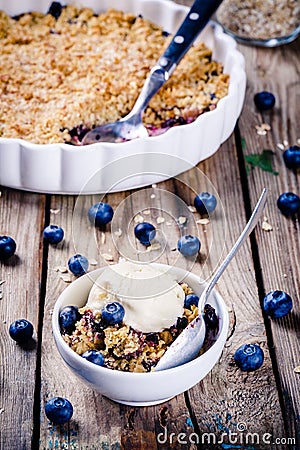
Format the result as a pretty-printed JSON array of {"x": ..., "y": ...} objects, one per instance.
[{"x": 267, "y": 23}]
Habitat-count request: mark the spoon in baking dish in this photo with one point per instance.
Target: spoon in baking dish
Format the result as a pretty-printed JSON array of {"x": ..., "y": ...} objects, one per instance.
[
  {"x": 131, "y": 126},
  {"x": 188, "y": 344}
]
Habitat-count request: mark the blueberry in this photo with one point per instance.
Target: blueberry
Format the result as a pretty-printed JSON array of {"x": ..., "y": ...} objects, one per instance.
[
  {"x": 288, "y": 203},
  {"x": 59, "y": 410},
  {"x": 191, "y": 299},
  {"x": 210, "y": 317},
  {"x": 249, "y": 357},
  {"x": 78, "y": 264},
  {"x": 55, "y": 9},
  {"x": 100, "y": 214},
  {"x": 53, "y": 234},
  {"x": 68, "y": 317},
  {"x": 188, "y": 245},
  {"x": 21, "y": 331},
  {"x": 145, "y": 232},
  {"x": 112, "y": 313},
  {"x": 291, "y": 157},
  {"x": 181, "y": 323},
  {"x": 94, "y": 357},
  {"x": 264, "y": 100},
  {"x": 7, "y": 247},
  {"x": 277, "y": 304},
  {"x": 205, "y": 203}
]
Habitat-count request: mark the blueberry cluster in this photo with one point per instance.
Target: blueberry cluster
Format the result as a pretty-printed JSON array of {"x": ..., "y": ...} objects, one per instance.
[{"x": 289, "y": 202}]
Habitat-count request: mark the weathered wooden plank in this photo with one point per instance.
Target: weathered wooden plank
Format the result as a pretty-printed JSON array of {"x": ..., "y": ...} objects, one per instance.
[
  {"x": 21, "y": 217},
  {"x": 228, "y": 399},
  {"x": 97, "y": 421},
  {"x": 279, "y": 249}
]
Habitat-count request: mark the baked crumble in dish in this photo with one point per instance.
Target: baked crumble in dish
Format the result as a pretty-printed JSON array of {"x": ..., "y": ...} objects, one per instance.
[
  {"x": 127, "y": 349},
  {"x": 67, "y": 71}
]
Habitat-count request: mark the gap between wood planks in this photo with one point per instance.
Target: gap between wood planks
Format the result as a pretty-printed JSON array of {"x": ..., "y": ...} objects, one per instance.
[{"x": 38, "y": 381}]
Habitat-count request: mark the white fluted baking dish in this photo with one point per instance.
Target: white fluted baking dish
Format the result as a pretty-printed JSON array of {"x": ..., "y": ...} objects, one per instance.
[{"x": 109, "y": 167}]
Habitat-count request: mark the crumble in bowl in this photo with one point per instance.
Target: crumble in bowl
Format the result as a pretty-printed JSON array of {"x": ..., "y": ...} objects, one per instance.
[
  {"x": 135, "y": 344},
  {"x": 69, "y": 73}
]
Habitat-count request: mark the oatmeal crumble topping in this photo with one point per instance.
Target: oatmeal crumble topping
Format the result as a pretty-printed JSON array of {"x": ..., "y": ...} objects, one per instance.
[
  {"x": 260, "y": 19},
  {"x": 60, "y": 77},
  {"x": 123, "y": 347},
  {"x": 128, "y": 349}
]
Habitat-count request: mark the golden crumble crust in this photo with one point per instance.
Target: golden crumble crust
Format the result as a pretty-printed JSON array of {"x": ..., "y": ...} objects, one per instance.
[{"x": 85, "y": 70}]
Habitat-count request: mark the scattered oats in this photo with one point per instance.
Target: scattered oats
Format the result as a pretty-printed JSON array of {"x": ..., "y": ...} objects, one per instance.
[
  {"x": 152, "y": 196},
  {"x": 107, "y": 256},
  {"x": 153, "y": 247},
  {"x": 169, "y": 223},
  {"x": 147, "y": 212},
  {"x": 203, "y": 221},
  {"x": 4, "y": 321},
  {"x": 62, "y": 269},
  {"x": 1, "y": 295},
  {"x": 261, "y": 132},
  {"x": 93, "y": 262},
  {"x": 182, "y": 220},
  {"x": 154, "y": 185},
  {"x": 121, "y": 259},
  {"x": 297, "y": 369},
  {"x": 173, "y": 249},
  {"x": 118, "y": 233},
  {"x": 284, "y": 275},
  {"x": 285, "y": 143},
  {"x": 2, "y": 282},
  {"x": 139, "y": 219},
  {"x": 1, "y": 410},
  {"x": 280, "y": 146},
  {"x": 262, "y": 129},
  {"x": 229, "y": 309},
  {"x": 160, "y": 220},
  {"x": 56, "y": 269},
  {"x": 102, "y": 237},
  {"x": 192, "y": 208},
  {"x": 51, "y": 312},
  {"x": 298, "y": 141},
  {"x": 66, "y": 278},
  {"x": 266, "y": 226},
  {"x": 54, "y": 211}
]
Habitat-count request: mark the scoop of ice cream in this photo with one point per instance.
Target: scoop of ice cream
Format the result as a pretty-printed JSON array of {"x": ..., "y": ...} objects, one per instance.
[{"x": 151, "y": 297}]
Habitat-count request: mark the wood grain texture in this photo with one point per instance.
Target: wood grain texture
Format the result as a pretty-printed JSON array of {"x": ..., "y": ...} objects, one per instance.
[
  {"x": 21, "y": 217},
  {"x": 228, "y": 399},
  {"x": 278, "y": 249},
  {"x": 97, "y": 421}
]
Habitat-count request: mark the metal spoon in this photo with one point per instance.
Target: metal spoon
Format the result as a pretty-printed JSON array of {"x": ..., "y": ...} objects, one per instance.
[
  {"x": 131, "y": 126},
  {"x": 188, "y": 344}
]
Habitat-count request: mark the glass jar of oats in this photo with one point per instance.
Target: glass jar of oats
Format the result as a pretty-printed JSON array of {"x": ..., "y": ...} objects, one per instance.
[{"x": 266, "y": 23}]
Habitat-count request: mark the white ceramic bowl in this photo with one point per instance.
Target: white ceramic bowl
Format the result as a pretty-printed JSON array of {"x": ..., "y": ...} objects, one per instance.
[
  {"x": 139, "y": 389},
  {"x": 61, "y": 168}
]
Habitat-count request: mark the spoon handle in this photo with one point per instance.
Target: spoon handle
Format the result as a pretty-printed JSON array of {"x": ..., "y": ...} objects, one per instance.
[
  {"x": 245, "y": 233},
  {"x": 196, "y": 19},
  {"x": 194, "y": 22}
]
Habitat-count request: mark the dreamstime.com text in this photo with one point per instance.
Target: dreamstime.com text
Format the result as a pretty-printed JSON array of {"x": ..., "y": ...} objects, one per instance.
[{"x": 241, "y": 437}]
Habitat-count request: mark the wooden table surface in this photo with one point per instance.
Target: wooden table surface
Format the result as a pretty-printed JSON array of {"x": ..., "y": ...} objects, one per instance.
[{"x": 264, "y": 403}]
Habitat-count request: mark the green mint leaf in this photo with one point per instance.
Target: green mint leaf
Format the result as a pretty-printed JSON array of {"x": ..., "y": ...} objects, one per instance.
[{"x": 263, "y": 160}]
